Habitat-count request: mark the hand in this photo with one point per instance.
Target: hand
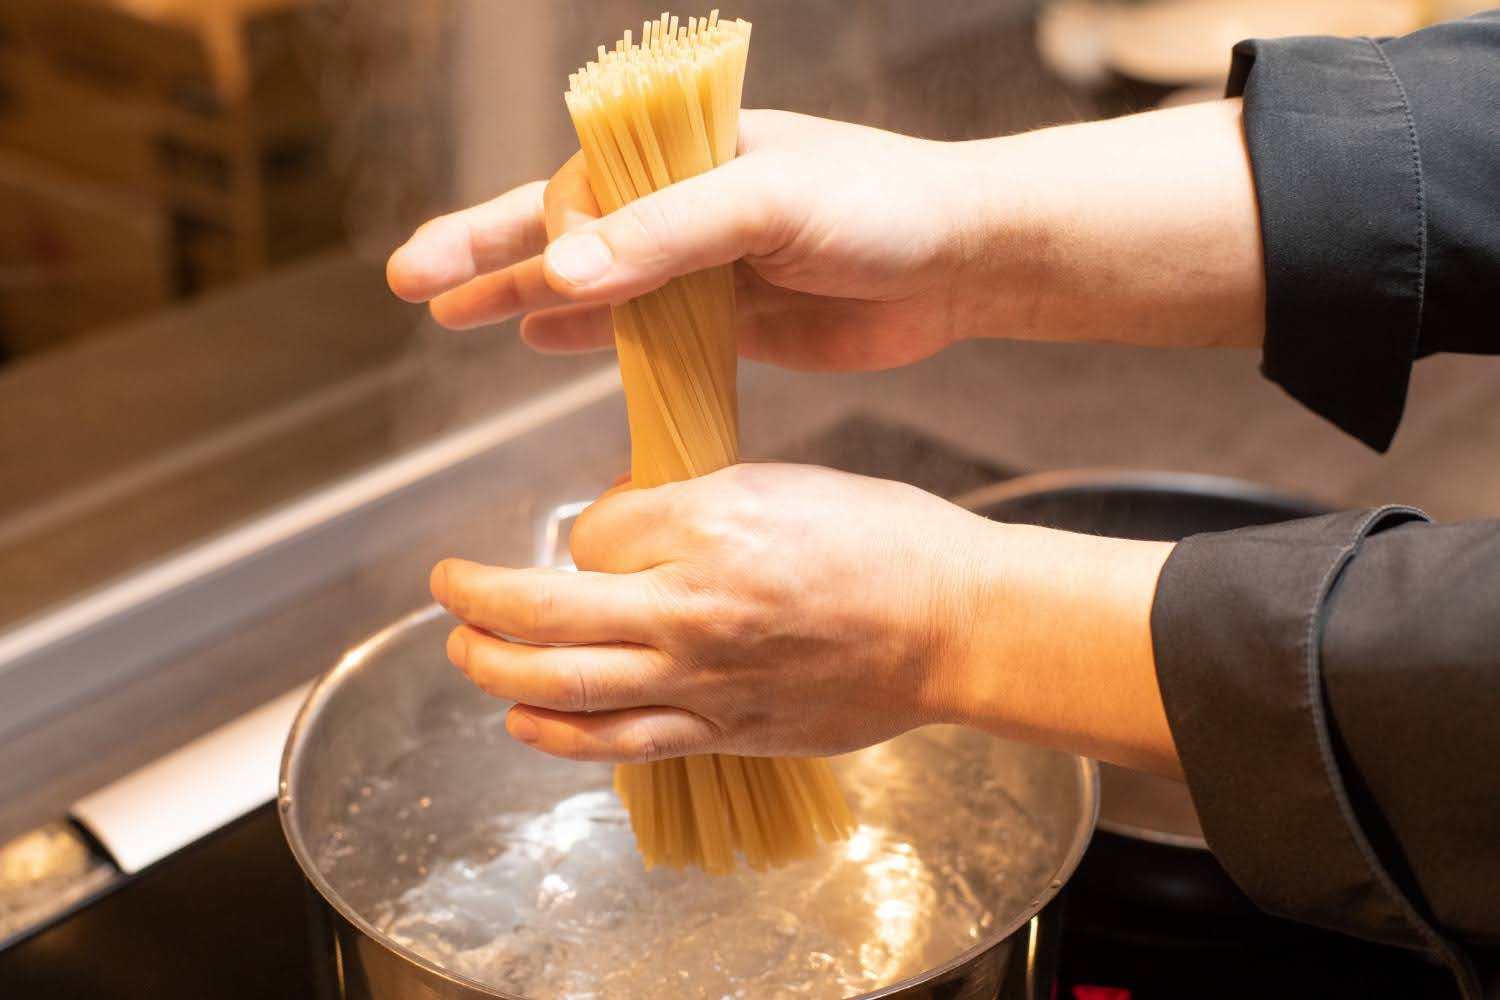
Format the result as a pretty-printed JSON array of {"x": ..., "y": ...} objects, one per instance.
[
  {"x": 762, "y": 609},
  {"x": 861, "y": 249},
  {"x": 847, "y": 237},
  {"x": 771, "y": 609}
]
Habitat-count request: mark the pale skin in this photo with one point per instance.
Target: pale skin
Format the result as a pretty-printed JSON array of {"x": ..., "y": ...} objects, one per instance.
[{"x": 773, "y": 609}]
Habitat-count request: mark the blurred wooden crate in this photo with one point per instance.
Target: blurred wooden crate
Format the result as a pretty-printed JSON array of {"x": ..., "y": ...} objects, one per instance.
[
  {"x": 117, "y": 52},
  {"x": 113, "y": 137},
  {"x": 75, "y": 254},
  {"x": 209, "y": 108},
  {"x": 202, "y": 56}
]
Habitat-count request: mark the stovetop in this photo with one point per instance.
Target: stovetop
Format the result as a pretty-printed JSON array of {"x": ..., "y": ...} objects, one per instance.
[
  {"x": 229, "y": 917},
  {"x": 224, "y": 918}
]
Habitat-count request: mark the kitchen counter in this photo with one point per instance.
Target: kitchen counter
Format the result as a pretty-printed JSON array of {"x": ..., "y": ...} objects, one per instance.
[{"x": 1025, "y": 407}]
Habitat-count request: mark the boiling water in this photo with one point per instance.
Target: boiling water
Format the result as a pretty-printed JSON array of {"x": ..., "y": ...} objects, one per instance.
[{"x": 543, "y": 895}]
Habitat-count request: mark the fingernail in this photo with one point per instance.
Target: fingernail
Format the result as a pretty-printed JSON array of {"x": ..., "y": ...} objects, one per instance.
[
  {"x": 521, "y": 727},
  {"x": 580, "y": 258}
]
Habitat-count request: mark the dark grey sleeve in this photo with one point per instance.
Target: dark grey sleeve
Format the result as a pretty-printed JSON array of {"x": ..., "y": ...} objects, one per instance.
[
  {"x": 1376, "y": 169},
  {"x": 1333, "y": 688},
  {"x": 1411, "y": 665}
]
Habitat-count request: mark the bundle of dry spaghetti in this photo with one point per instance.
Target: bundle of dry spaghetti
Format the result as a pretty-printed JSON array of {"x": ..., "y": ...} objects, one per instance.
[{"x": 649, "y": 115}]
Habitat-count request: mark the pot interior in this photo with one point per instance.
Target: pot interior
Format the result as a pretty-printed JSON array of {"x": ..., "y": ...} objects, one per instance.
[{"x": 415, "y": 815}]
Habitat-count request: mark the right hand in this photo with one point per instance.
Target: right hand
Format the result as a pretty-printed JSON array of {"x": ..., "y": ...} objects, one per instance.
[{"x": 849, "y": 241}]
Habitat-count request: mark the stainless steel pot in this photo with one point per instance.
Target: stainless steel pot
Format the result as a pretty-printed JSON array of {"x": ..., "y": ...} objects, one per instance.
[{"x": 397, "y": 769}]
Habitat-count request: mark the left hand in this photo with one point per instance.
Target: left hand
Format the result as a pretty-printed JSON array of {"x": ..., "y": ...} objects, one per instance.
[
  {"x": 782, "y": 610},
  {"x": 761, "y": 610}
]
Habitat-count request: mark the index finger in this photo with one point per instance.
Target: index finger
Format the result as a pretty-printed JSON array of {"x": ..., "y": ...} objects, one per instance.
[
  {"x": 455, "y": 248},
  {"x": 549, "y": 605},
  {"x": 568, "y": 202}
]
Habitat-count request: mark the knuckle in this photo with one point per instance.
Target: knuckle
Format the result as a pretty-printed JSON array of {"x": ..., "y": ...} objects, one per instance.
[
  {"x": 701, "y": 615},
  {"x": 740, "y": 507},
  {"x": 473, "y": 240},
  {"x": 569, "y": 688},
  {"x": 719, "y": 732},
  {"x": 677, "y": 601},
  {"x": 703, "y": 525},
  {"x": 752, "y": 227},
  {"x": 678, "y": 506},
  {"x": 640, "y": 744},
  {"x": 731, "y": 625},
  {"x": 762, "y": 221},
  {"x": 536, "y": 609},
  {"x": 581, "y": 694},
  {"x": 646, "y": 223}
]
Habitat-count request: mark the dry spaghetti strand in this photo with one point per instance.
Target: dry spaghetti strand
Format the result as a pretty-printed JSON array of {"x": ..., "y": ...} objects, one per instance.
[{"x": 649, "y": 114}]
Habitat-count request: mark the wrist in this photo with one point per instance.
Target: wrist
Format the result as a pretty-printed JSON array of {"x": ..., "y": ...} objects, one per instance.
[
  {"x": 999, "y": 226},
  {"x": 1060, "y": 652},
  {"x": 1138, "y": 230}
]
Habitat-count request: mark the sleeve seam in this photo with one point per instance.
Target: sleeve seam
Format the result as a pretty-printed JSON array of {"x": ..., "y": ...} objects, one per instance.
[{"x": 1421, "y": 192}]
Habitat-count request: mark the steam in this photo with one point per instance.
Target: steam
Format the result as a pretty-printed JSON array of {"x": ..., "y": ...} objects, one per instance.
[
  {"x": 386, "y": 83},
  {"x": 440, "y": 103}
]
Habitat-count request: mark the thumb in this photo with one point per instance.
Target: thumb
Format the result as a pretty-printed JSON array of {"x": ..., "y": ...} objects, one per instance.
[{"x": 714, "y": 218}]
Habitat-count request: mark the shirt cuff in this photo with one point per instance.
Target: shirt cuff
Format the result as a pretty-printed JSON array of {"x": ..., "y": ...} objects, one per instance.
[
  {"x": 1409, "y": 661},
  {"x": 1338, "y": 177},
  {"x": 1236, "y": 630}
]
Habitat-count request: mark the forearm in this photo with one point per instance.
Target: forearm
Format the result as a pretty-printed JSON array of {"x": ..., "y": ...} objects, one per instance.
[
  {"x": 1140, "y": 230},
  {"x": 1059, "y": 648}
]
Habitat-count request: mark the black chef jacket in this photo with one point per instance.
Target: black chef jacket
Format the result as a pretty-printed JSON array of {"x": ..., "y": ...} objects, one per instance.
[{"x": 1333, "y": 684}]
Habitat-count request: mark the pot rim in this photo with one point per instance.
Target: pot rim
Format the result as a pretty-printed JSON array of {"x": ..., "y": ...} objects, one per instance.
[
  {"x": 1162, "y": 837},
  {"x": 322, "y": 689},
  {"x": 1094, "y": 477}
]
